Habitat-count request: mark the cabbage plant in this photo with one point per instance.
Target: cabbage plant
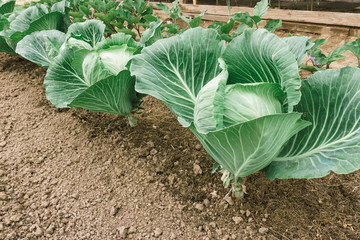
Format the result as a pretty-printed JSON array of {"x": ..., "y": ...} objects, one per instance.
[
  {"x": 247, "y": 105},
  {"x": 16, "y": 25},
  {"x": 91, "y": 71}
]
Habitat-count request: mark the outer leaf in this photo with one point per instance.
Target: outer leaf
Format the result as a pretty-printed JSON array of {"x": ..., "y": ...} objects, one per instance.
[
  {"x": 6, "y": 44},
  {"x": 298, "y": 45},
  {"x": 41, "y": 47},
  {"x": 249, "y": 147},
  {"x": 63, "y": 82},
  {"x": 331, "y": 101},
  {"x": 209, "y": 104},
  {"x": 22, "y": 22},
  {"x": 175, "y": 69},
  {"x": 90, "y": 31},
  {"x": 261, "y": 56},
  {"x": 115, "y": 94}
]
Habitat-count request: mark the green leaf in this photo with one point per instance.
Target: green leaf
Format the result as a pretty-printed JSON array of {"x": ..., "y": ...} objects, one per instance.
[
  {"x": 22, "y": 22},
  {"x": 6, "y": 44},
  {"x": 248, "y": 147},
  {"x": 273, "y": 25},
  {"x": 197, "y": 20},
  {"x": 90, "y": 31},
  {"x": 152, "y": 34},
  {"x": 163, "y": 7},
  {"x": 311, "y": 69},
  {"x": 299, "y": 45},
  {"x": 64, "y": 81},
  {"x": 7, "y": 7},
  {"x": 242, "y": 17},
  {"x": 76, "y": 14},
  {"x": 354, "y": 47},
  {"x": 115, "y": 94},
  {"x": 41, "y": 47},
  {"x": 150, "y": 18},
  {"x": 128, "y": 32},
  {"x": 175, "y": 69},
  {"x": 261, "y": 8},
  {"x": 330, "y": 101},
  {"x": 260, "y": 56},
  {"x": 209, "y": 104},
  {"x": 63, "y": 7}
]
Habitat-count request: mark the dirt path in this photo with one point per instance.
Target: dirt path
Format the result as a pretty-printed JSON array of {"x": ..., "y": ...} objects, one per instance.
[{"x": 74, "y": 174}]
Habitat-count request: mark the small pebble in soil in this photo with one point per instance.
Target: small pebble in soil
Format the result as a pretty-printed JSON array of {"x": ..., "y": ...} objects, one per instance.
[
  {"x": 2, "y": 172},
  {"x": 2, "y": 143},
  {"x": 248, "y": 213},
  {"x": 15, "y": 218},
  {"x": 212, "y": 224},
  {"x": 50, "y": 229},
  {"x": 157, "y": 232},
  {"x": 38, "y": 232},
  {"x": 153, "y": 151},
  {"x": 3, "y": 196},
  {"x": 229, "y": 201},
  {"x": 206, "y": 202},
  {"x": 263, "y": 230},
  {"x": 197, "y": 169},
  {"x": 123, "y": 231},
  {"x": 198, "y": 147},
  {"x": 114, "y": 210},
  {"x": 132, "y": 229},
  {"x": 172, "y": 235},
  {"x": 237, "y": 220},
  {"x": 199, "y": 206}
]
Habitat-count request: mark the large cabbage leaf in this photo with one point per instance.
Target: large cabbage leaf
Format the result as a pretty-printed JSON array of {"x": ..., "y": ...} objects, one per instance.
[
  {"x": 115, "y": 94},
  {"x": 250, "y": 146},
  {"x": 41, "y": 47},
  {"x": 298, "y": 45},
  {"x": 331, "y": 101},
  {"x": 22, "y": 22},
  {"x": 260, "y": 56},
  {"x": 175, "y": 69}
]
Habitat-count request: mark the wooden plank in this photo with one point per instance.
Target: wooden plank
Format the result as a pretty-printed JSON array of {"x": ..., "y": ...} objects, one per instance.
[{"x": 323, "y": 18}]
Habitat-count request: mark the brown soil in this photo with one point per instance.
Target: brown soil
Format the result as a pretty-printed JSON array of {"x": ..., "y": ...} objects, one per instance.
[{"x": 75, "y": 174}]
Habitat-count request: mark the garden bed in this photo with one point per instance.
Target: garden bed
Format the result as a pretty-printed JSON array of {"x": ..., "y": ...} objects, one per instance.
[{"x": 76, "y": 174}]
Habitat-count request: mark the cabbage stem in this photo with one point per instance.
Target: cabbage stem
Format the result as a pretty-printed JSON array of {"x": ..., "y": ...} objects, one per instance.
[{"x": 237, "y": 187}]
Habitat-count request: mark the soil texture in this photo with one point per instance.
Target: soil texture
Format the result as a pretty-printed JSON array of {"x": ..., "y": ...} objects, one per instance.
[{"x": 75, "y": 174}]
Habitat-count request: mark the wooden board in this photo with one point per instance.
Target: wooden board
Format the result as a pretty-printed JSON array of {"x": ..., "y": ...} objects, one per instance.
[{"x": 323, "y": 18}]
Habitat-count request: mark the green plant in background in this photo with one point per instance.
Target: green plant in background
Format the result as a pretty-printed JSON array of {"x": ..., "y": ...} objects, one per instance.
[
  {"x": 248, "y": 107},
  {"x": 320, "y": 60},
  {"x": 16, "y": 25},
  {"x": 118, "y": 16},
  {"x": 245, "y": 20},
  {"x": 353, "y": 47},
  {"x": 174, "y": 12}
]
